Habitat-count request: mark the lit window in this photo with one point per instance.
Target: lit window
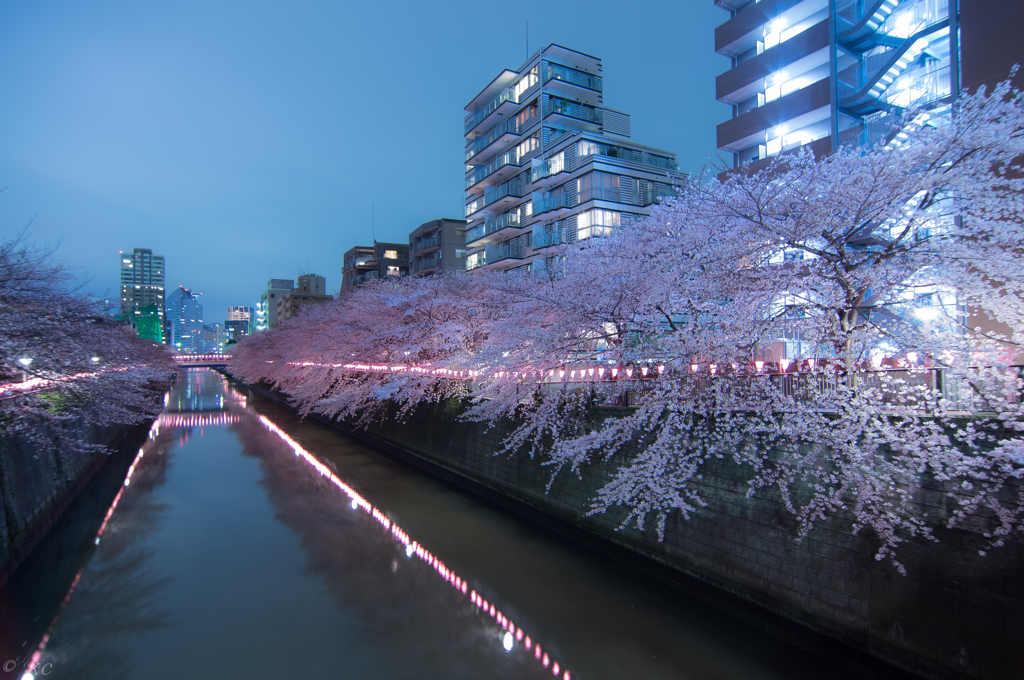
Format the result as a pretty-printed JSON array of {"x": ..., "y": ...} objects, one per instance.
[
  {"x": 597, "y": 222},
  {"x": 390, "y": 255}
]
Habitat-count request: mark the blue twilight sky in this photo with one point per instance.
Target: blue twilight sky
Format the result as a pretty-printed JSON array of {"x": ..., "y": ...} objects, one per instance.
[{"x": 248, "y": 139}]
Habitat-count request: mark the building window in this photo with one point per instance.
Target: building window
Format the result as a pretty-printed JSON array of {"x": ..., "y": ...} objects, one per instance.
[
  {"x": 394, "y": 271},
  {"x": 526, "y": 114},
  {"x": 597, "y": 222},
  {"x": 597, "y": 184},
  {"x": 528, "y": 145},
  {"x": 390, "y": 254},
  {"x": 526, "y": 82}
]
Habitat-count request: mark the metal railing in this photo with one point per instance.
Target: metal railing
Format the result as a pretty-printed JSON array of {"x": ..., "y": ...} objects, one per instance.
[
  {"x": 510, "y": 157},
  {"x": 425, "y": 242},
  {"x": 507, "y": 95},
  {"x": 509, "y": 219},
  {"x": 492, "y": 194},
  {"x": 508, "y": 127},
  {"x": 573, "y": 110},
  {"x": 551, "y": 235},
  {"x": 588, "y": 148},
  {"x": 571, "y": 75},
  {"x": 551, "y": 202},
  {"x": 426, "y": 263}
]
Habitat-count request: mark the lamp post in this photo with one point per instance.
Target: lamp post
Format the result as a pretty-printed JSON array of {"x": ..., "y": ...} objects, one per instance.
[{"x": 25, "y": 361}]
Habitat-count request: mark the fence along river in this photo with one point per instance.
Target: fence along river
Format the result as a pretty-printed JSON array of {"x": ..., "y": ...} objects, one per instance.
[{"x": 245, "y": 543}]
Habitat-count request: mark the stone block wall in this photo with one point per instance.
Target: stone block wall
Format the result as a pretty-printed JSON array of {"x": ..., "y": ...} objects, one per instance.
[{"x": 956, "y": 614}]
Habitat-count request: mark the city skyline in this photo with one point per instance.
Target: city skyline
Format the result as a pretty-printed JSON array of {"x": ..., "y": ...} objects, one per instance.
[{"x": 142, "y": 128}]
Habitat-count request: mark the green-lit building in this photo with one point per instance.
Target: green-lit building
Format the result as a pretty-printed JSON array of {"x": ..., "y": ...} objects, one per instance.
[{"x": 148, "y": 322}]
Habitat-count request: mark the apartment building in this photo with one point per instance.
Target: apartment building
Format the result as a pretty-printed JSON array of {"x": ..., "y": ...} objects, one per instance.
[
  {"x": 547, "y": 163},
  {"x": 824, "y": 72},
  {"x": 268, "y": 309},
  {"x": 366, "y": 263},
  {"x": 310, "y": 289},
  {"x": 438, "y": 246},
  {"x": 142, "y": 292}
]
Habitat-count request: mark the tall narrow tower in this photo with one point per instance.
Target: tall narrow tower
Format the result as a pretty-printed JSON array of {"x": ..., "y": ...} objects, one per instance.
[{"x": 142, "y": 292}]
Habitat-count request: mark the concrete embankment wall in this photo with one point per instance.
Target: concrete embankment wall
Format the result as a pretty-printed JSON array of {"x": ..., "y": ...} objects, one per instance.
[
  {"x": 38, "y": 482},
  {"x": 956, "y": 614}
]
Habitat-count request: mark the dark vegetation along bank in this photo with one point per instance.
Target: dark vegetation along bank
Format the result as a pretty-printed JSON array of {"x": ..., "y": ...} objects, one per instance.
[{"x": 955, "y": 614}]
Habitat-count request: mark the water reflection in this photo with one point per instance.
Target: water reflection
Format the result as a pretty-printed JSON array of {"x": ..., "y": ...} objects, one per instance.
[
  {"x": 406, "y": 594},
  {"x": 305, "y": 556}
]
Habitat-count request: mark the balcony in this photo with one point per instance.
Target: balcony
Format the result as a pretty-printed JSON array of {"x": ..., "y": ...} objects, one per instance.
[
  {"x": 641, "y": 194},
  {"x": 507, "y": 96},
  {"x": 588, "y": 148},
  {"x": 508, "y": 159},
  {"x": 426, "y": 264},
  {"x": 509, "y": 127},
  {"x": 509, "y": 250},
  {"x": 571, "y": 75},
  {"x": 363, "y": 278},
  {"x": 426, "y": 244},
  {"x": 551, "y": 202},
  {"x": 509, "y": 219},
  {"x": 548, "y": 168},
  {"x": 494, "y": 196},
  {"x": 550, "y": 235},
  {"x": 570, "y": 109}
]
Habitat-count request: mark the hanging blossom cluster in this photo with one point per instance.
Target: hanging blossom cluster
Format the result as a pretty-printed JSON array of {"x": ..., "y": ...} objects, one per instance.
[
  {"x": 847, "y": 329},
  {"x": 63, "y": 362}
]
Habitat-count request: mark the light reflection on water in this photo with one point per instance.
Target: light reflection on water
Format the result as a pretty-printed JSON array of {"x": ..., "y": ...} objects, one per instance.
[{"x": 277, "y": 563}]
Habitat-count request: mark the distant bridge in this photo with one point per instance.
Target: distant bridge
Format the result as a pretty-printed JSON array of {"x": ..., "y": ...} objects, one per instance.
[{"x": 202, "y": 360}]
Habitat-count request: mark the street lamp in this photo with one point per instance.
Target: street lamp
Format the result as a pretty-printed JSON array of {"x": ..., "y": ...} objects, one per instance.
[{"x": 25, "y": 361}]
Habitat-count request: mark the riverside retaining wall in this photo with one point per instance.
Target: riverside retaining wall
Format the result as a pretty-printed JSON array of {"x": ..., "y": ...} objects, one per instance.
[
  {"x": 955, "y": 615},
  {"x": 38, "y": 482}
]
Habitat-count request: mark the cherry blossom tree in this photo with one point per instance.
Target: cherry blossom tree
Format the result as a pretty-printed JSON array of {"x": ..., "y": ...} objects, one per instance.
[
  {"x": 845, "y": 328},
  {"x": 61, "y": 359}
]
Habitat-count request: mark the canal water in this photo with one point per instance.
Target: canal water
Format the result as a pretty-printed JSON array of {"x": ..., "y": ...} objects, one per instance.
[{"x": 241, "y": 542}]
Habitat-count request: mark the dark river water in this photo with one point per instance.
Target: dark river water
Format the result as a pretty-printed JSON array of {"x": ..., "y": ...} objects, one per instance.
[{"x": 241, "y": 542}]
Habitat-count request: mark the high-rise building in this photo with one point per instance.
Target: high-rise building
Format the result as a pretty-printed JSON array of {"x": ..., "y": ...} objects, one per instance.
[
  {"x": 185, "y": 315},
  {"x": 366, "y": 263},
  {"x": 268, "y": 309},
  {"x": 547, "y": 163},
  {"x": 142, "y": 292},
  {"x": 438, "y": 246},
  {"x": 824, "y": 73}
]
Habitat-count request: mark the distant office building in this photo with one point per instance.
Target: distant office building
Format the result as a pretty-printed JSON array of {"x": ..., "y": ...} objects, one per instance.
[
  {"x": 214, "y": 338},
  {"x": 310, "y": 289},
  {"x": 438, "y": 246},
  {"x": 366, "y": 263},
  {"x": 185, "y": 315},
  {"x": 142, "y": 286},
  {"x": 269, "y": 307},
  {"x": 236, "y": 330},
  {"x": 238, "y": 323},
  {"x": 239, "y": 314}
]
